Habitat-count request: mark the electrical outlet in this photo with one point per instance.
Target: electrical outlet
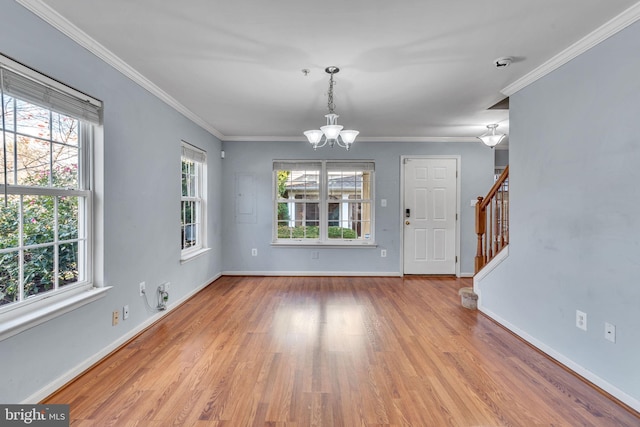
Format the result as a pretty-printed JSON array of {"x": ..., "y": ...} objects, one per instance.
[
  {"x": 581, "y": 320},
  {"x": 142, "y": 288},
  {"x": 383, "y": 253},
  {"x": 609, "y": 332},
  {"x": 115, "y": 317},
  {"x": 125, "y": 312},
  {"x": 254, "y": 252}
]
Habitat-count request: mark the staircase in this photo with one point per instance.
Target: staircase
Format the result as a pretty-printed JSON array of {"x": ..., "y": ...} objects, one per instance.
[{"x": 492, "y": 221}]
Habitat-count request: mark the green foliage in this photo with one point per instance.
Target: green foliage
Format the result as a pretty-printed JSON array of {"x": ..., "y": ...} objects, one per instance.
[
  {"x": 341, "y": 233},
  {"x": 283, "y": 210},
  {"x": 38, "y": 228},
  {"x": 313, "y": 232}
]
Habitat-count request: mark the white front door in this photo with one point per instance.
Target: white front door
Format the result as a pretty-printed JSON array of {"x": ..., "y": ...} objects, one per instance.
[{"x": 430, "y": 186}]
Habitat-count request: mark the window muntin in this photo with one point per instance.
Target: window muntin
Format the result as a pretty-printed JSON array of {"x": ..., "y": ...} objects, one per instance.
[
  {"x": 326, "y": 202},
  {"x": 46, "y": 194},
  {"x": 192, "y": 201}
]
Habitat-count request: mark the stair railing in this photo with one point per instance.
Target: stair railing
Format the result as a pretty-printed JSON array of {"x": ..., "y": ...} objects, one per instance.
[{"x": 492, "y": 221}]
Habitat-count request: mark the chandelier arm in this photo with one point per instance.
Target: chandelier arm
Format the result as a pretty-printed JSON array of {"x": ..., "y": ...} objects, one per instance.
[{"x": 321, "y": 145}]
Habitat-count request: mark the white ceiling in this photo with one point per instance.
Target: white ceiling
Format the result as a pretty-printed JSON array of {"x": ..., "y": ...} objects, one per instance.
[{"x": 420, "y": 69}]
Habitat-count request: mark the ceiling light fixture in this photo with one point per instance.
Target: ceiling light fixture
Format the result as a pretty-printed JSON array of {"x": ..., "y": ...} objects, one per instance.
[
  {"x": 491, "y": 138},
  {"x": 332, "y": 131}
]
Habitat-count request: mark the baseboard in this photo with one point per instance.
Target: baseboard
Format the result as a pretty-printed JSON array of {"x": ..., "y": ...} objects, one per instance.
[
  {"x": 55, "y": 385},
  {"x": 314, "y": 273},
  {"x": 570, "y": 364},
  {"x": 466, "y": 275}
]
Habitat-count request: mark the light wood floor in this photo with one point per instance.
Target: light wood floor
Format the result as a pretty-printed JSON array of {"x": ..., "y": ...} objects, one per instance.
[{"x": 310, "y": 351}]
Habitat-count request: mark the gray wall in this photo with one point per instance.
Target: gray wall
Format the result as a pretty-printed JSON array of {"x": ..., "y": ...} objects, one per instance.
[
  {"x": 141, "y": 201},
  {"x": 254, "y": 159},
  {"x": 575, "y": 214},
  {"x": 502, "y": 157}
]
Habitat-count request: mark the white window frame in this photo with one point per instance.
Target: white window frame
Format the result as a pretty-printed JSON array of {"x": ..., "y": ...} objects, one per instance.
[
  {"x": 324, "y": 166},
  {"x": 21, "y": 82},
  {"x": 198, "y": 156}
]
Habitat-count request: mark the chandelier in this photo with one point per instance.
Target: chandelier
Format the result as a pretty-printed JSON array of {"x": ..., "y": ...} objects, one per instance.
[
  {"x": 491, "y": 138},
  {"x": 332, "y": 131}
]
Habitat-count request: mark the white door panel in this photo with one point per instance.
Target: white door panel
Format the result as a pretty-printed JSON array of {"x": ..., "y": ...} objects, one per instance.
[{"x": 430, "y": 187}]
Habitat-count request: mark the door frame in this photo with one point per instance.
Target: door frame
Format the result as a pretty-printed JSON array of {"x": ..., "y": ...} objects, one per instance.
[{"x": 457, "y": 239}]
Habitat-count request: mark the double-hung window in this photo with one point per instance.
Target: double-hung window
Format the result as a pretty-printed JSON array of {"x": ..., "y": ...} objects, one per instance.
[
  {"x": 193, "y": 202},
  {"x": 323, "y": 202},
  {"x": 46, "y": 201}
]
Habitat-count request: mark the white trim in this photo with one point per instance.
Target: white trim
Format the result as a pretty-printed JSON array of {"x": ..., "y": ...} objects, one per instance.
[
  {"x": 458, "y": 238},
  {"x": 562, "y": 359},
  {"x": 602, "y": 33},
  {"x": 348, "y": 244},
  {"x": 83, "y": 39},
  {"x": 360, "y": 138},
  {"x": 491, "y": 265},
  {"x": 322, "y": 273},
  {"x": 97, "y": 357},
  {"x": 466, "y": 275},
  {"x": 186, "y": 257},
  {"x": 23, "y": 318}
]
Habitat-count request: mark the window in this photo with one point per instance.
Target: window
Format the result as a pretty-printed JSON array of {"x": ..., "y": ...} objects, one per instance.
[
  {"x": 323, "y": 202},
  {"x": 45, "y": 206},
  {"x": 192, "y": 202}
]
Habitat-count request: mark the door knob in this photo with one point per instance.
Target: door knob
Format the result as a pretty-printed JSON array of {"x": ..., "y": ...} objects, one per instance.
[{"x": 407, "y": 222}]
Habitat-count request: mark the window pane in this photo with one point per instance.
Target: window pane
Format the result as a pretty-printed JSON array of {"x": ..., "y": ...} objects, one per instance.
[
  {"x": 32, "y": 120},
  {"x": 285, "y": 211},
  {"x": 349, "y": 220},
  {"x": 299, "y": 184},
  {"x": 9, "y": 222},
  {"x": 67, "y": 218},
  {"x": 192, "y": 181},
  {"x": 65, "y": 166},
  {"x": 185, "y": 178},
  {"x": 33, "y": 162},
  {"x": 10, "y": 158},
  {"x": 38, "y": 219},
  {"x": 67, "y": 263},
  {"x": 64, "y": 129},
  {"x": 38, "y": 270},
  {"x": 9, "y": 273},
  {"x": 9, "y": 113}
]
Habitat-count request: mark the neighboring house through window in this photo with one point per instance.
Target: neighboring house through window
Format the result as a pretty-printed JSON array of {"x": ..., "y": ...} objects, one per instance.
[
  {"x": 193, "y": 203},
  {"x": 323, "y": 202}
]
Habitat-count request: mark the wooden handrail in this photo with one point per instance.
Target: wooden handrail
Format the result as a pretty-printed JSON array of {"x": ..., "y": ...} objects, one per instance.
[{"x": 492, "y": 221}]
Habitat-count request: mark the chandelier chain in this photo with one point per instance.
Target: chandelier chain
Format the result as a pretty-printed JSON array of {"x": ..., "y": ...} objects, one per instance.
[{"x": 330, "y": 103}]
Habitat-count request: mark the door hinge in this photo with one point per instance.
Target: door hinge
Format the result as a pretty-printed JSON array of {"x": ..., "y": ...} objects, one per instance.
[
  {"x": 456, "y": 259},
  {"x": 456, "y": 217}
]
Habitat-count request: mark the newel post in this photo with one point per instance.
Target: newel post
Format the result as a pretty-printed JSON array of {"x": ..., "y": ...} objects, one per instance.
[{"x": 481, "y": 222}]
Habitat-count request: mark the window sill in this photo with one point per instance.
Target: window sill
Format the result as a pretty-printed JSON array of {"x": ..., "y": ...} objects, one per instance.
[
  {"x": 25, "y": 317},
  {"x": 345, "y": 245},
  {"x": 192, "y": 255}
]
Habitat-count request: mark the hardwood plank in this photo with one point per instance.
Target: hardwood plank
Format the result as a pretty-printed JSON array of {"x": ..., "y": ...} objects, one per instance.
[{"x": 333, "y": 351}]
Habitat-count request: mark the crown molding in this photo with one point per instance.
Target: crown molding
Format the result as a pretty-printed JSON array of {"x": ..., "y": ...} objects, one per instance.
[
  {"x": 359, "y": 139},
  {"x": 610, "y": 28},
  {"x": 63, "y": 25}
]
